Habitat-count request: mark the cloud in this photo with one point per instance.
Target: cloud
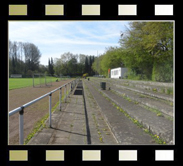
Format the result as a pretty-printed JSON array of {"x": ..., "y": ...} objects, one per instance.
[{"x": 56, "y": 37}]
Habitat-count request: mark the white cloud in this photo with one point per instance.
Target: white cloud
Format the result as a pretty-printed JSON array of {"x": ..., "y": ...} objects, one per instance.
[{"x": 56, "y": 37}]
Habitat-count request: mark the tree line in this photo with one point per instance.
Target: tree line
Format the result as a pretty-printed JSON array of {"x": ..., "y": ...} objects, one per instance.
[
  {"x": 24, "y": 58},
  {"x": 146, "y": 49},
  {"x": 74, "y": 64}
]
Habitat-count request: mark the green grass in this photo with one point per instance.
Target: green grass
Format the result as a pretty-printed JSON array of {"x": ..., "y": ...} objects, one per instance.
[
  {"x": 16, "y": 83},
  {"x": 169, "y": 91},
  {"x": 135, "y": 121},
  {"x": 41, "y": 123}
]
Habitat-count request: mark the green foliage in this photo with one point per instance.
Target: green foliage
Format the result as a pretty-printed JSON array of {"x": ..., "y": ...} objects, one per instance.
[
  {"x": 50, "y": 66},
  {"x": 159, "y": 114},
  {"x": 111, "y": 59},
  {"x": 85, "y": 75},
  {"x": 163, "y": 72},
  {"x": 24, "y": 57},
  {"x": 169, "y": 92},
  {"x": 96, "y": 66},
  {"x": 39, "y": 125},
  {"x": 73, "y": 65},
  {"x": 154, "y": 89},
  {"x": 149, "y": 48},
  {"x": 146, "y": 50},
  {"x": 89, "y": 60},
  {"x": 30, "y": 73}
]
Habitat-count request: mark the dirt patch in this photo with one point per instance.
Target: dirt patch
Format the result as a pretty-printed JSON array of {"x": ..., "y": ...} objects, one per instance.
[{"x": 33, "y": 113}]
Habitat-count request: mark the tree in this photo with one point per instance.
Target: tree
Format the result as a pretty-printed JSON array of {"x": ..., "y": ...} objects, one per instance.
[
  {"x": 43, "y": 68},
  {"x": 72, "y": 66},
  {"x": 112, "y": 58},
  {"x": 51, "y": 67},
  {"x": 23, "y": 57},
  {"x": 147, "y": 45},
  {"x": 96, "y": 66},
  {"x": 81, "y": 63},
  {"x": 57, "y": 66},
  {"x": 32, "y": 56},
  {"x": 82, "y": 58},
  {"x": 69, "y": 64},
  {"x": 86, "y": 65}
]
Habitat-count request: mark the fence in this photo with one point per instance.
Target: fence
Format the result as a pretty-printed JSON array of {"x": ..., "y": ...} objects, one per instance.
[
  {"x": 62, "y": 78},
  {"x": 68, "y": 87},
  {"x": 42, "y": 80}
]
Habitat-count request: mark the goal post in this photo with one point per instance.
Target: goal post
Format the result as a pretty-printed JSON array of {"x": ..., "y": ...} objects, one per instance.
[
  {"x": 63, "y": 78},
  {"x": 41, "y": 80},
  {"x": 48, "y": 80}
]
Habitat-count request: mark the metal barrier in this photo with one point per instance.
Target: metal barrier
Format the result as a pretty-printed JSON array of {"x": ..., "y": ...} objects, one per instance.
[{"x": 69, "y": 86}]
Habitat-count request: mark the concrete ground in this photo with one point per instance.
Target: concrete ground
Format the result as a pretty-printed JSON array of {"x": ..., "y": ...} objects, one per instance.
[
  {"x": 79, "y": 122},
  {"x": 88, "y": 118}
]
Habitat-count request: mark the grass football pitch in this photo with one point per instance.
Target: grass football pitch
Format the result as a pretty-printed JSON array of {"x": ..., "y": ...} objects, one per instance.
[{"x": 15, "y": 83}]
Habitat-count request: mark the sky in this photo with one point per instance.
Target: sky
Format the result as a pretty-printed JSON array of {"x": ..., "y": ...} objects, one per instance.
[{"x": 54, "y": 38}]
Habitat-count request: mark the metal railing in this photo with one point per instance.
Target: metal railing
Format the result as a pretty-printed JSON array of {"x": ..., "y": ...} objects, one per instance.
[{"x": 68, "y": 87}]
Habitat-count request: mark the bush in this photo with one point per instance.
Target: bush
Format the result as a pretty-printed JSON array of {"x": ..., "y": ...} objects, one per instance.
[
  {"x": 132, "y": 75},
  {"x": 30, "y": 73},
  {"x": 85, "y": 75},
  {"x": 162, "y": 72}
]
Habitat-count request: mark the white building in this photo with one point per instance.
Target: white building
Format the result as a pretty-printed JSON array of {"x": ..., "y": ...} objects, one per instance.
[{"x": 118, "y": 72}]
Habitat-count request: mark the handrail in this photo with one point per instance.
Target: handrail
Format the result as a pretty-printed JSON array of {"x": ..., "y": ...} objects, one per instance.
[{"x": 21, "y": 108}]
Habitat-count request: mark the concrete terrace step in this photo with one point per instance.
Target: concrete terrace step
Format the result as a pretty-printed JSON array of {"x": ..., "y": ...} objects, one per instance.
[
  {"x": 98, "y": 130},
  {"x": 149, "y": 102},
  {"x": 147, "y": 87},
  {"x": 151, "y": 83},
  {"x": 125, "y": 131},
  {"x": 139, "y": 90},
  {"x": 154, "y": 94},
  {"x": 159, "y": 89},
  {"x": 157, "y": 125}
]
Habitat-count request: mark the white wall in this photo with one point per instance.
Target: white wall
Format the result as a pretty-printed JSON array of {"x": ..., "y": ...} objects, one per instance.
[{"x": 118, "y": 72}]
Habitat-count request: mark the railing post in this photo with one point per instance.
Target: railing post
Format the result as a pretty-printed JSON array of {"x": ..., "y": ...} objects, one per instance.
[
  {"x": 60, "y": 98},
  {"x": 65, "y": 93},
  {"x": 21, "y": 126},
  {"x": 66, "y": 90},
  {"x": 50, "y": 109},
  {"x": 70, "y": 86}
]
